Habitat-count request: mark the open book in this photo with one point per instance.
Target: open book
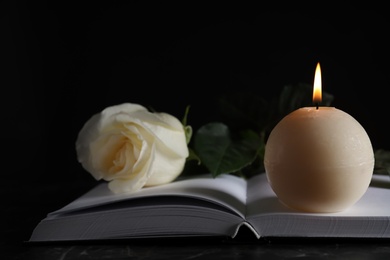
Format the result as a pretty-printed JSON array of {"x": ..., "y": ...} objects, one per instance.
[{"x": 207, "y": 206}]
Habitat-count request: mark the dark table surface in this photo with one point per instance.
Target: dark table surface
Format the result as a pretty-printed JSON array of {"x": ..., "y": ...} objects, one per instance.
[
  {"x": 193, "y": 249},
  {"x": 26, "y": 203}
]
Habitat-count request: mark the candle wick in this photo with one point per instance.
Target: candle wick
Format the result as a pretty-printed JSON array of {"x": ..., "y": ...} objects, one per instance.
[{"x": 317, "y": 105}]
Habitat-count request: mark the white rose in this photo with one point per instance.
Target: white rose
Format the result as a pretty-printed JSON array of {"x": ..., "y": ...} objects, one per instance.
[{"x": 131, "y": 147}]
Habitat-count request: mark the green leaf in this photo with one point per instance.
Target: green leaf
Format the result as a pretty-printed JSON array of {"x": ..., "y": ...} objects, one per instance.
[
  {"x": 243, "y": 110},
  {"x": 187, "y": 128},
  {"x": 188, "y": 133},
  {"x": 382, "y": 162},
  {"x": 222, "y": 153},
  {"x": 192, "y": 156},
  {"x": 184, "y": 120},
  {"x": 293, "y": 97}
]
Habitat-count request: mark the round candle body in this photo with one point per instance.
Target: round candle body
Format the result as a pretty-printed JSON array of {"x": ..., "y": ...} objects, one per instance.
[{"x": 319, "y": 160}]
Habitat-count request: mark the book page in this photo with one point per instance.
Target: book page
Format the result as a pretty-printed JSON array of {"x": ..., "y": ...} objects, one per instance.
[
  {"x": 226, "y": 190},
  {"x": 368, "y": 217},
  {"x": 375, "y": 202},
  {"x": 261, "y": 199}
]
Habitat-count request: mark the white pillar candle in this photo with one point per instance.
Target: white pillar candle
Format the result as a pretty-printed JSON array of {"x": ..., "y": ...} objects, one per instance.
[{"x": 319, "y": 159}]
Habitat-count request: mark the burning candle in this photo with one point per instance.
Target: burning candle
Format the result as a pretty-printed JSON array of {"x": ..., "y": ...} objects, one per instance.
[{"x": 319, "y": 159}]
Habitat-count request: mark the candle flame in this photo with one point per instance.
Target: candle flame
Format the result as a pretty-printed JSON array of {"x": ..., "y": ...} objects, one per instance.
[{"x": 317, "y": 94}]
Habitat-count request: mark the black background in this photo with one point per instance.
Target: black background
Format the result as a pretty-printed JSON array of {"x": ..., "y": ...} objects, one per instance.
[{"x": 64, "y": 62}]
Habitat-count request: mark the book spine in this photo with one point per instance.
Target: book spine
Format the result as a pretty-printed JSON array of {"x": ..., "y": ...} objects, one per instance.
[{"x": 248, "y": 225}]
